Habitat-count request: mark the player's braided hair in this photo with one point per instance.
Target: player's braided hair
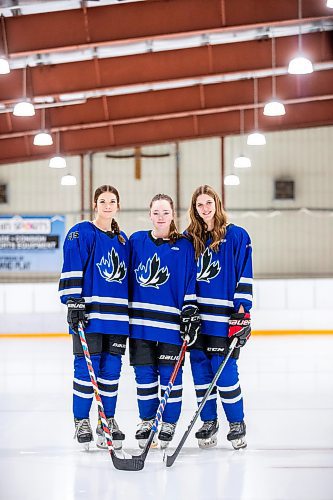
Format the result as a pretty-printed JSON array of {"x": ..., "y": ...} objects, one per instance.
[
  {"x": 174, "y": 234},
  {"x": 198, "y": 229},
  {"x": 114, "y": 224}
]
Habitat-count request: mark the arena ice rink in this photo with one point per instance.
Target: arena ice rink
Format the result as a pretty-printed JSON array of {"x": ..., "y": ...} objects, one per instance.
[{"x": 287, "y": 383}]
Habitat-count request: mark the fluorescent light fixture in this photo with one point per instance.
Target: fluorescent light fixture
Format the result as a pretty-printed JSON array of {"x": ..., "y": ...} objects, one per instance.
[
  {"x": 256, "y": 139},
  {"x": 68, "y": 180},
  {"x": 4, "y": 66},
  {"x": 231, "y": 180},
  {"x": 274, "y": 108},
  {"x": 24, "y": 108},
  {"x": 300, "y": 65},
  {"x": 329, "y": 4},
  {"x": 43, "y": 139},
  {"x": 242, "y": 162},
  {"x": 57, "y": 162}
]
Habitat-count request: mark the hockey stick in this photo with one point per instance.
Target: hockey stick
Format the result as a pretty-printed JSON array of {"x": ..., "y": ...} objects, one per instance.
[
  {"x": 132, "y": 463},
  {"x": 170, "y": 459},
  {"x": 159, "y": 413}
]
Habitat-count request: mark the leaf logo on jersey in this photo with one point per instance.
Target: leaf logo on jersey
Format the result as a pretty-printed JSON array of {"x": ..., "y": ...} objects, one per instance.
[
  {"x": 207, "y": 270},
  {"x": 151, "y": 274},
  {"x": 111, "y": 269}
]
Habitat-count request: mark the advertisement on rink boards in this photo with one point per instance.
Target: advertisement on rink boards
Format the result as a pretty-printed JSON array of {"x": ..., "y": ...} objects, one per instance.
[{"x": 31, "y": 244}]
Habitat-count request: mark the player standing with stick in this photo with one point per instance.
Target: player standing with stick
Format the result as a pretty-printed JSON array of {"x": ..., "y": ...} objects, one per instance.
[
  {"x": 224, "y": 293},
  {"x": 94, "y": 286},
  {"x": 162, "y": 302}
]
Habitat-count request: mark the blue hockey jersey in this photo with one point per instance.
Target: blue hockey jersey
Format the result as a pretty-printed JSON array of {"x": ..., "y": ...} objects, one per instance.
[
  {"x": 96, "y": 267},
  {"x": 224, "y": 281},
  {"x": 162, "y": 281}
]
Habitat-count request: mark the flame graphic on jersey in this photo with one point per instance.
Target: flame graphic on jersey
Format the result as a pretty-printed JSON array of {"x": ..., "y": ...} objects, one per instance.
[
  {"x": 151, "y": 274},
  {"x": 207, "y": 270},
  {"x": 111, "y": 269}
]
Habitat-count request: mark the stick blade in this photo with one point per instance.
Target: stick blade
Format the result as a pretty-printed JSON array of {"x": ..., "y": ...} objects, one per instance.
[
  {"x": 170, "y": 459},
  {"x": 131, "y": 464}
]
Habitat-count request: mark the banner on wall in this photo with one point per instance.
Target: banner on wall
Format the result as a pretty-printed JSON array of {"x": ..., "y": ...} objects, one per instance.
[{"x": 31, "y": 244}]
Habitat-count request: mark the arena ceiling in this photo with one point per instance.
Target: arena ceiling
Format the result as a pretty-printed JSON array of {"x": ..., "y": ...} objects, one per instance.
[{"x": 113, "y": 74}]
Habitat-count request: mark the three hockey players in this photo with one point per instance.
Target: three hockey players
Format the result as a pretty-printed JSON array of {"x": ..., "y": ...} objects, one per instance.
[{"x": 150, "y": 288}]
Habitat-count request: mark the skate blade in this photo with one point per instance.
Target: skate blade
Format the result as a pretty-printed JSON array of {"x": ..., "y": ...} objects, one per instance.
[
  {"x": 85, "y": 446},
  {"x": 164, "y": 444},
  {"x": 102, "y": 444},
  {"x": 205, "y": 444},
  {"x": 142, "y": 444},
  {"x": 239, "y": 444}
]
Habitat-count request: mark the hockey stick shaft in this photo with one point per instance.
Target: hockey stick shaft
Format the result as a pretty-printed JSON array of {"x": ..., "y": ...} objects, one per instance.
[
  {"x": 132, "y": 463},
  {"x": 164, "y": 400},
  {"x": 170, "y": 459},
  {"x": 93, "y": 380}
]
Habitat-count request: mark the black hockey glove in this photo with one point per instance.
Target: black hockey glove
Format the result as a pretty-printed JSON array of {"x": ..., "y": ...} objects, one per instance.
[
  {"x": 190, "y": 323},
  {"x": 76, "y": 312},
  {"x": 240, "y": 327}
]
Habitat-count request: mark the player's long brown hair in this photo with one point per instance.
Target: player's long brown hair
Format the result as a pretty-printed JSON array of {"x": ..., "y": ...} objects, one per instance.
[
  {"x": 174, "y": 234},
  {"x": 198, "y": 229},
  {"x": 110, "y": 189}
]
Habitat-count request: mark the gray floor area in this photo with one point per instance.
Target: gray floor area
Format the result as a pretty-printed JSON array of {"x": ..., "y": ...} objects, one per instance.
[{"x": 287, "y": 384}]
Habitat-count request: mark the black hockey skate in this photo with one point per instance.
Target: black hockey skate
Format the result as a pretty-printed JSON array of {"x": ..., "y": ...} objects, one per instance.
[
  {"x": 116, "y": 434},
  {"x": 207, "y": 434},
  {"x": 142, "y": 434},
  {"x": 166, "y": 434},
  {"x": 83, "y": 432},
  {"x": 237, "y": 435}
]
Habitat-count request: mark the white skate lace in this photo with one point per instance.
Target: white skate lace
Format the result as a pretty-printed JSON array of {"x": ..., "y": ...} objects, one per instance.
[
  {"x": 168, "y": 428},
  {"x": 145, "y": 425},
  {"x": 236, "y": 426},
  {"x": 82, "y": 427},
  {"x": 207, "y": 425}
]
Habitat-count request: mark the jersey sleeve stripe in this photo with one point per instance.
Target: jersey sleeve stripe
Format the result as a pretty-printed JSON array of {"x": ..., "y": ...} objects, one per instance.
[
  {"x": 105, "y": 300},
  {"x": 71, "y": 274},
  {"x": 70, "y": 291}
]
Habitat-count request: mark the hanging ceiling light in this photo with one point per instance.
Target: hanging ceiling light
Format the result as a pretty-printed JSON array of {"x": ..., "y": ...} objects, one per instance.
[
  {"x": 43, "y": 138},
  {"x": 68, "y": 180},
  {"x": 300, "y": 65},
  {"x": 274, "y": 107},
  {"x": 57, "y": 161},
  {"x": 231, "y": 180},
  {"x": 25, "y": 107},
  {"x": 242, "y": 161},
  {"x": 256, "y": 138},
  {"x": 4, "y": 66}
]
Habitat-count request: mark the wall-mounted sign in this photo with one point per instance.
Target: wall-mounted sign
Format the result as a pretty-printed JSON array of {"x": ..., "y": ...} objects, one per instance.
[{"x": 31, "y": 244}]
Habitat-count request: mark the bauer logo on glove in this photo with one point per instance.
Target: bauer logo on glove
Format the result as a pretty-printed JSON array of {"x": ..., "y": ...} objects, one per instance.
[
  {"x": 240, "y": 327},
  {"x": 76, "y": 313}
]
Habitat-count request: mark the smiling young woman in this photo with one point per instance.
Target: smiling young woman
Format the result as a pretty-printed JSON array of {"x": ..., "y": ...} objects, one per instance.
[
  {"x": 94, "y": 286},
  {"x": 224, "y": 293}
]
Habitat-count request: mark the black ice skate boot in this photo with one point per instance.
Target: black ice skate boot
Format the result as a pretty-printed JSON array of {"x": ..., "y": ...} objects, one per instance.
[
  {"x": 166, "y": 434},
  {"x": 142, "y": 434},
  {"x": 207, "y": 434},
  {"x": 83, "y": 432},
  {"x": 116, "y": 434},
  {"x": 237, "y": 435}
]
